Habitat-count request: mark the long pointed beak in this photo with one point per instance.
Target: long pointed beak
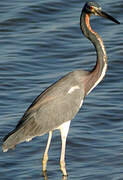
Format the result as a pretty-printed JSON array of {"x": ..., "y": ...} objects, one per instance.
[{"x": 107, "y": 16}]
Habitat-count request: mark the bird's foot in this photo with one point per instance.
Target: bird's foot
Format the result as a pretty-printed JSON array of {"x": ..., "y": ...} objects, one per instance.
[
  {"x": 44, "y": 163},
  {"x": 63, "y": 168}
]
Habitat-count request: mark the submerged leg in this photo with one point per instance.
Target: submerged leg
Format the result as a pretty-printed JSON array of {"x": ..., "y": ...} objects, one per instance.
[
  {"x": 45, "y": 157},
  {"x": 64, "y": 128}
]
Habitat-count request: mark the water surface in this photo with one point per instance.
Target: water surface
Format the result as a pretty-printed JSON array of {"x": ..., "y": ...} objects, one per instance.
[{"x": 40, "y": 42}]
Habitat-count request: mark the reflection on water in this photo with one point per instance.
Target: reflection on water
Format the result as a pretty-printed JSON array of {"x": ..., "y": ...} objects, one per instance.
[
  {"x": 46, "y": 177},
  {"x": 40, "y": 42}
]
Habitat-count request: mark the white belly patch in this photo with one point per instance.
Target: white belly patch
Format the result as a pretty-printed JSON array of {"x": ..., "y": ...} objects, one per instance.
[
  {"x": 73, "y": 89},
  {"x": 81, "y": 103}
]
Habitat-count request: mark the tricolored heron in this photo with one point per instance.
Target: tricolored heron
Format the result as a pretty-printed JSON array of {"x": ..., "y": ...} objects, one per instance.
[{"x": 58, "y": 104}]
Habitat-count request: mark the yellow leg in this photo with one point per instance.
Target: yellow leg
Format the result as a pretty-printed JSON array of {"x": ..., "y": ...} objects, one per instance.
[
  {"x": 62, "y": 159},
  {"x": 45, "y": 157},
  {"x": 64, "y": 132}
]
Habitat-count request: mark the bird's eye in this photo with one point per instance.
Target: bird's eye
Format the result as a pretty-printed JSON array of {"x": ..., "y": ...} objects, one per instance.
[{"x": 91, "y": 8}]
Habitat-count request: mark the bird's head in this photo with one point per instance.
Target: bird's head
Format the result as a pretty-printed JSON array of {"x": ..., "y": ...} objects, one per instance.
[{"x": 93, "y": 8}]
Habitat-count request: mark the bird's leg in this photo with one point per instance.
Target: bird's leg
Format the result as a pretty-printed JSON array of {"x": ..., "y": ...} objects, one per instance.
[
  {"x": 64, "y": 132},
  {"x": 62, "y": 159},
  {"x": 45, "y": 156}
]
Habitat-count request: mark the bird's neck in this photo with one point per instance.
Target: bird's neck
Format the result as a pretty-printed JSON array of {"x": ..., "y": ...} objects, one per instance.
[{"x": 98, "y": 72}]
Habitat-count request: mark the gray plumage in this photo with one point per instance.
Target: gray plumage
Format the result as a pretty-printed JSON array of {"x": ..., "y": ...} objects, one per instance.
[{"x": 49, "y": 110}]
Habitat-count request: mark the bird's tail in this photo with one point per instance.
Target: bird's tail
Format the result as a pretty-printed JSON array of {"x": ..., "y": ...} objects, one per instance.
[
  {"x": 23, "y": 132},
  {"x": 13, "y": 138}
]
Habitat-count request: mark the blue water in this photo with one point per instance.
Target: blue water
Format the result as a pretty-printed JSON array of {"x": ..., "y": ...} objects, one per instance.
[{"x": 40, "y": 42}]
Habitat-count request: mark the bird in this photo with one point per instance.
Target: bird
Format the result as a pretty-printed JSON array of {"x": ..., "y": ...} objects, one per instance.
[{"x": 56, "y": 106}]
